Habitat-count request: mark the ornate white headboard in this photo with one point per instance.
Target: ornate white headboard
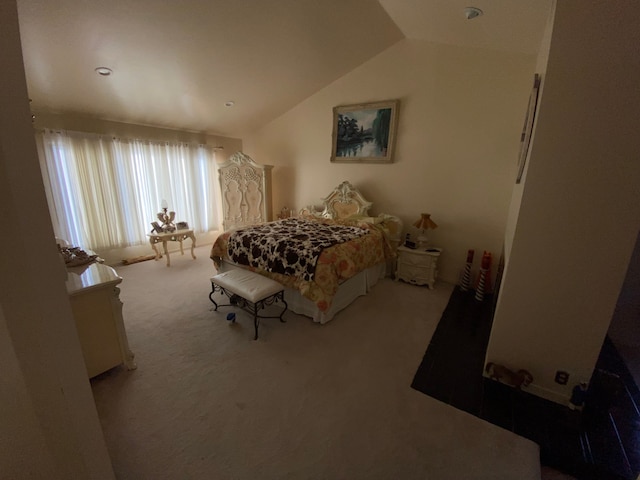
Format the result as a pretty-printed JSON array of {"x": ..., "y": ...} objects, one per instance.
[{"x": 345, "y": 201}]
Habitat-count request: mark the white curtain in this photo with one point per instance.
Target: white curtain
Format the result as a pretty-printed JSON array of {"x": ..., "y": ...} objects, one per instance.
[{"x": 104, "y": 192}]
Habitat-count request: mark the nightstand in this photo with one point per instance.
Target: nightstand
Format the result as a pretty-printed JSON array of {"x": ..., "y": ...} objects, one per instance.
[{"x": 418, "y": 267}]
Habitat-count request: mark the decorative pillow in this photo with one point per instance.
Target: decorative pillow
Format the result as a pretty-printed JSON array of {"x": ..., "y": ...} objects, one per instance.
[{"x": 345, "y": 210}]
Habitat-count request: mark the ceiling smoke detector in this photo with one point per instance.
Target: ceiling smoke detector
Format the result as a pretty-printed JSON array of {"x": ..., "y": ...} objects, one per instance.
[
  {"x": 472, "y": 12},
  {"x": 103, "y": 71}
]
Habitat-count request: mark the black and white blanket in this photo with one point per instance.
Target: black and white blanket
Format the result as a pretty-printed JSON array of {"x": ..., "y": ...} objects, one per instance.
[{"x": 291, "y": 246}]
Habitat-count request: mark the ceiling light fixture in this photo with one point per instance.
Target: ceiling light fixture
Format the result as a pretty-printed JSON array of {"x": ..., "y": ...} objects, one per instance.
[
  {"x": 103, "y": 71},
  {"x": 472, "y": 12},
  {"x": 230, "y": 103}
]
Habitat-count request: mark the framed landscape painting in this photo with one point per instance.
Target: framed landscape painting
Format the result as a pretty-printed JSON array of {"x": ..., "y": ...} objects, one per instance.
[{"x": 364, "y": 133}]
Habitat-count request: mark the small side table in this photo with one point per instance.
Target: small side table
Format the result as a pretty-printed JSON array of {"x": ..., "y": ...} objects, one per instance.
[
  {"x": 418, "y": 267},
  {"x": 175, "y": 236}
]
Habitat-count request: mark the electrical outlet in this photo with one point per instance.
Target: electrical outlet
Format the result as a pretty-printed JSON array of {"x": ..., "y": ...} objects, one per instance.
[{"x": 562, "y": 377}]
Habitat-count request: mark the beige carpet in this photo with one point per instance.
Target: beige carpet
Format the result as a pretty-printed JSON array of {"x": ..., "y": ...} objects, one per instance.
[{"x": 304, "y": 401}]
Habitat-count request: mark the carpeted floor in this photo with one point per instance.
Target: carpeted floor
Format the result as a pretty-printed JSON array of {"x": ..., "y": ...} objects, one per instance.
[{"x": 304, "y": 401}]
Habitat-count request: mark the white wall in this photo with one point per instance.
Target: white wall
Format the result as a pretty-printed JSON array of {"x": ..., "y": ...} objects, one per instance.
[
  {"x": 19, "y": 421},
  {"x": 80, "y": 123},
  {"x": 50, "y": 428},
  {"x": 461, "y": 114},
  {"x": 579, "y": 214},
  {"x": 516, "y": 195}
]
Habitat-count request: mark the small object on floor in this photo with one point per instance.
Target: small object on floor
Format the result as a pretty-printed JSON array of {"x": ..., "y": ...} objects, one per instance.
[
  {"x": 231, "y": 317},
  {"x": 144, "y": 258},
  {"x": 578, "y": 396},
  {"x": 501, "y": 373}
]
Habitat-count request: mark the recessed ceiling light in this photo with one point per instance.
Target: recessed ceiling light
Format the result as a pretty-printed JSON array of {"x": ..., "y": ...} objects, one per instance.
[
  {"x": 104, "y": 71},
  {"x": 230, "y": 103},
  {"x": 472, "y": 12}
]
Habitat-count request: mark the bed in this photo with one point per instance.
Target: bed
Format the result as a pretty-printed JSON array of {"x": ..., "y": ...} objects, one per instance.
[{"x": 326, "y": 257}]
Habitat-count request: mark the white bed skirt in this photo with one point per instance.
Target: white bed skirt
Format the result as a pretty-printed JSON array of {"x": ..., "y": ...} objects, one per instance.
[{"x": 348, "y": 291}]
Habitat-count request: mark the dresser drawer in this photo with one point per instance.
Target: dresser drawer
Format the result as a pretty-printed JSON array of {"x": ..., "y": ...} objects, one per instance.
[
  {"x": 416, "y": 275},
  {"x": 417, "y": 267},
  {"x": 417, "y": 260}
]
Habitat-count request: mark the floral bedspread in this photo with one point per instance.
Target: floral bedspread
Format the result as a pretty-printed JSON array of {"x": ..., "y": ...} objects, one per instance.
[
  {"x": 290, "y": 247},
  {"x": 335, "y": 264}
]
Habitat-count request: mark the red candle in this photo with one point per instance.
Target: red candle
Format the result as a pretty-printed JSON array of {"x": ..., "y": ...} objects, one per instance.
[{"x": 486, "y": 260}]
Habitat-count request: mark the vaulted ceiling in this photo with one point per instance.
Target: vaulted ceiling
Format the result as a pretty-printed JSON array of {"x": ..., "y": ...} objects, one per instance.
[{"x": 176, "y": 64}]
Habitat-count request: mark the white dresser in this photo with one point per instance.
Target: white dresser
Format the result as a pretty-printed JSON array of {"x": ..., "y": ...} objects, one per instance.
[
  {"x": 97, "y": 309},
  {"x": 419, "y": 267},
  {"x": 246, "y": 191}
]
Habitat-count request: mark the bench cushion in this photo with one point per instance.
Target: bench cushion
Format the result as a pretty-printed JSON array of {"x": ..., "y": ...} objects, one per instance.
[{"x": 249, "y": 285}]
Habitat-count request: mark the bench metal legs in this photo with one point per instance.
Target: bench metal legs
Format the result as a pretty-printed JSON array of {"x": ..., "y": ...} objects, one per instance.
[{"x": 250, "y": 307}]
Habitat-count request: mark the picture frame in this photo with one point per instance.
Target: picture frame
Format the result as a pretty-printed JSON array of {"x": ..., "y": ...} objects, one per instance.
[
  {"x": 156, "y": 228},
  {"x": 525, "y": 138},
  {"x": 364, "y": 133}
]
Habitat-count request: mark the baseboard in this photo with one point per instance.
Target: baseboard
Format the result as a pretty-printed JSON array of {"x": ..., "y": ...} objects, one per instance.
[{"x": 547, "y": 394}]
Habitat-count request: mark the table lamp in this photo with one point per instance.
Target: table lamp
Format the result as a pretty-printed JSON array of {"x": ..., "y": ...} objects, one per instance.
[{"x": 424, "y": 223}]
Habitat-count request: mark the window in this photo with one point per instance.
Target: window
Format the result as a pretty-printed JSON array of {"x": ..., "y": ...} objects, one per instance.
[{"x": 104, "y": 192}]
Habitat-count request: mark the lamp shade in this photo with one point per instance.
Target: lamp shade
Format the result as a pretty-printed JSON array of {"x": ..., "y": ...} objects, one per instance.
[{"x": 425, "y": 222}]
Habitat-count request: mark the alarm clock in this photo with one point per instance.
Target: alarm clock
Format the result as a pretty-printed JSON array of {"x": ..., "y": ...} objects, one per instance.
[{"x": 409, "y": 244}]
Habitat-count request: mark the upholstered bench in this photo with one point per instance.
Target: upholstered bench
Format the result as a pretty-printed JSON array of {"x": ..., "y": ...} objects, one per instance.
[{"x": 250, "y": 291}]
